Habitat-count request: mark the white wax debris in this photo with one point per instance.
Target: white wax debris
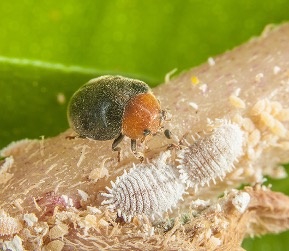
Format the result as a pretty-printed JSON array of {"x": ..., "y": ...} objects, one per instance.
[
  {"x": 258, "y": 77},
  {"x": 83, "y": 194},
  {"x": 201, "y": 203},
  {"x": 194, "y": 105},
  {"x": 30, "y": 219},
  {"x": 93, "y": 210},
  {"x": 203, "y": 87},
  {"x": 14, "y": 245},
  {"x": 241, "y": 201},
  {"x": 211, "y": 61},
  {"x": 68, "y": 201},
  {"x": 276, "y": 69}
]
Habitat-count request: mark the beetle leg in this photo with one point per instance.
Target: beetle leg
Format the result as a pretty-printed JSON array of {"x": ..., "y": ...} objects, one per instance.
[
  {"x": 133, "y": 145},
  {"x": 116, "y": 142},
  {"x": 73, "y": 136},
  {"x": 168, "y": 133},
  {"x": 133, "y": 149}
]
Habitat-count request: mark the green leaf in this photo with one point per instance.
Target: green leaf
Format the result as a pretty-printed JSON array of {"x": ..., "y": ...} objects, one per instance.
[{"x": 141, "y": 37}]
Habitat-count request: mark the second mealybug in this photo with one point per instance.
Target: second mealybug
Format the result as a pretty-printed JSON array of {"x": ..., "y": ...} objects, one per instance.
[{"x": 211, "y": 156}]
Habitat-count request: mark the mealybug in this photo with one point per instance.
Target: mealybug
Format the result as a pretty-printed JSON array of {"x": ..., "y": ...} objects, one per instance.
[
  {"x": 211, "y": 156},
  {"x": 147, "y": 189}
]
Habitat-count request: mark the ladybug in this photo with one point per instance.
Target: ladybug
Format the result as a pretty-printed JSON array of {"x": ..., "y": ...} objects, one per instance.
[{"x": 111, "y": 107}]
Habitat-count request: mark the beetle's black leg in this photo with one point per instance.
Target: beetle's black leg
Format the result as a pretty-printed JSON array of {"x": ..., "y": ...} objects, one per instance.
[
  {"x": 72, "y": 136},
  {"x": 116, "y": 142},
  {"x": 168, "y": 133},
  {"x": 133, "y": 145},
  {"x": 133, "y": 149}
]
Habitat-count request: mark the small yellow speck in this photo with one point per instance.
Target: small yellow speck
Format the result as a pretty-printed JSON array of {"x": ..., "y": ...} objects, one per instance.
[
  {"x": 61, "y": 98},
  {"x": 195, "y": 80}
]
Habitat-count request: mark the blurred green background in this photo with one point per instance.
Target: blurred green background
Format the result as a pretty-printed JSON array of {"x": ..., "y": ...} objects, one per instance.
[{"x": 49, "y": 48}]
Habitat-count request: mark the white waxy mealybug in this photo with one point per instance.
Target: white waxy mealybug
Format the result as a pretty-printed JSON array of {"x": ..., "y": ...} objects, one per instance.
[
  {"x": 147, "y": 189},
  {"x": 211, "y": 156}
]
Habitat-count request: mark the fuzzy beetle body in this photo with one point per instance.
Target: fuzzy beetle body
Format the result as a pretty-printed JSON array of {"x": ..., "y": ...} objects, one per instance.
[{"x": 111, "y": 107}]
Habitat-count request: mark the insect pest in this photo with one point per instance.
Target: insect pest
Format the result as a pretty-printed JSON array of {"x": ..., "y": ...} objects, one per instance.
[
  {"x": 211, "y": 156},
  {"x": 111, "y": 107},
  {"x": 146, "y": 190}
]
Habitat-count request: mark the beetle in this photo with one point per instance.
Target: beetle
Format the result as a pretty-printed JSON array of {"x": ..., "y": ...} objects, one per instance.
[{"x": 111, "y": 107}]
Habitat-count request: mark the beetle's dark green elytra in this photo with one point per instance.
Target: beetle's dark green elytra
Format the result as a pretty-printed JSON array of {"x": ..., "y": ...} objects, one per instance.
[{"x": 111, "y": 107}]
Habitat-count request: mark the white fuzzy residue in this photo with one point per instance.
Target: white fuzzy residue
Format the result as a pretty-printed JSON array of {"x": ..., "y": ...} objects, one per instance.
[
  {"x": 30, "y": 219},
  {"x": 211, "y": 61},
  {"x": 83, "y": 153},
  {"x": 276, "y": 69},
  {"x": 237, "y": 92},
  {"x": 259, "y": 77},
  {"x": 83, "y": 194},
  {"x": 14, "y": 245},
  {"x": 241, "y": 201},
  {"x": 194, "y": 105},
  {"x": 68, "y": 201},
  {"x": 9, "y": 225},
  {"x": 169, "y": 74},
  {"x": 203, "y": 87},
  {"x": 200, "y": 204}
]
